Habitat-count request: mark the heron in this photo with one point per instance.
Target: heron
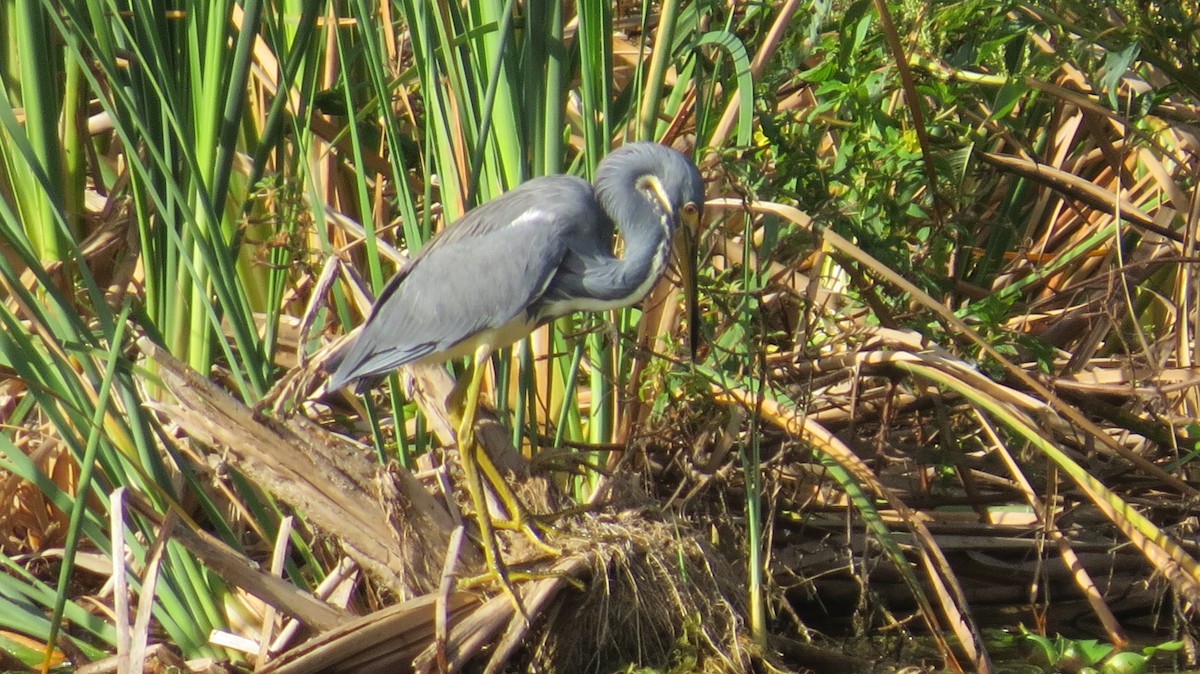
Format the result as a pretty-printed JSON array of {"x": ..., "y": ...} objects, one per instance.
[{"x": 543, "y": 250}]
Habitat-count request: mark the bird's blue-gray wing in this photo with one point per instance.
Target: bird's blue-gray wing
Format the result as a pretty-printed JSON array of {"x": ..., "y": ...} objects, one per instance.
[{"x": 480, "y": 274}]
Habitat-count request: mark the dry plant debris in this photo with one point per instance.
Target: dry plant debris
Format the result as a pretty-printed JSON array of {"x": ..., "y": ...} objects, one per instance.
[{"x": 630, "y": 586}]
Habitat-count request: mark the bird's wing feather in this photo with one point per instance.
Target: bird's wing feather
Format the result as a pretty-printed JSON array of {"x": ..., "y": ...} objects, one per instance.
[
  {"x": 557, "y": 195},
  {"x": 479, "y": 274}
]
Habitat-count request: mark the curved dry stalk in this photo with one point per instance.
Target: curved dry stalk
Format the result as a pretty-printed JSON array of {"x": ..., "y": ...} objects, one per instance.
[
  {"x": 1166, "y": 555},
  {"x": 937, "y": 568},
  {"x": 1052, "y": 401},
  {"x": 1083, "y": 580},
  {"x": 1079, "y": 188}
]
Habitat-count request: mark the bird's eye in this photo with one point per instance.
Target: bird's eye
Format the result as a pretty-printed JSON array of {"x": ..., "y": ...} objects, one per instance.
[{"x": 690, "y": 213}]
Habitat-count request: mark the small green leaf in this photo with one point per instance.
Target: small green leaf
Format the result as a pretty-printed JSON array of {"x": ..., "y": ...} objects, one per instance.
[
  {"x": 1116, "y": 64},
  {"x": 1038, "y": 650},
  {"x": 1006, "y": 99},
  {"x": 1124, "y": 663},
  {"x": 1169, "y": 646}
]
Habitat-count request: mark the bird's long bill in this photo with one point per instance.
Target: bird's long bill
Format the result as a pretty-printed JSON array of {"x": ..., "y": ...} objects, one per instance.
[{"x": 685, "y": 261}]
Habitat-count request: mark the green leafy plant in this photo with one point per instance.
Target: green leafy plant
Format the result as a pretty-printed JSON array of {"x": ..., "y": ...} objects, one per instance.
[
  {"x": 1069, "y": 656},
  {"x": 903, "y": 196}
]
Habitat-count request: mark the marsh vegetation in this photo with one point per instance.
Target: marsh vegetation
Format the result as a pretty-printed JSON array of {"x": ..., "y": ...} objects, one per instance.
[{"x": 945, "y": 379}]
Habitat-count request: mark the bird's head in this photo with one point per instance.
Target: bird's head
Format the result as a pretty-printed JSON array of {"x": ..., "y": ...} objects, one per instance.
[
  {"x": 639, "y": 178},
  {"x": 656, "y": 196}
]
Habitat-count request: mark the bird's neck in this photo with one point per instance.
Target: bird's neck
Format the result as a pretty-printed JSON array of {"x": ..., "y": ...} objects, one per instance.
[
  {"x": 645, "y": 233},
  {"x": 646, "y": 248}
]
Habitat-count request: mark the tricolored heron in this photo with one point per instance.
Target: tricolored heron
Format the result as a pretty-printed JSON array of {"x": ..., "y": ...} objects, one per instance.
[{"x": 538, "y": 252}]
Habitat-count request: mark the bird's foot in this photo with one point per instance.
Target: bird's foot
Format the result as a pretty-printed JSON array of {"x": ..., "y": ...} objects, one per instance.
[
  {"x": 497, "y": 572},
  {"x": 521, "y": 519},
  {"x": 567, "y": 512},
  {"x": 508, "y": 578},
  {"x": 534, "y": 529}
]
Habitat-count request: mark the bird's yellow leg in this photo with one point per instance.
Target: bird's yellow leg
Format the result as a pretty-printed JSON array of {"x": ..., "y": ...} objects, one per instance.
[
  {"x": 469, "y": 453},
  {"x": 462, "y": 409},
  {"x": 521, "y": 519}
]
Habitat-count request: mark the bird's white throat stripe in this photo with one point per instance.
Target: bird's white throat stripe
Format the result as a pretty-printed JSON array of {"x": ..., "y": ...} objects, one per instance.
[{"x": 658, "y": 263}]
